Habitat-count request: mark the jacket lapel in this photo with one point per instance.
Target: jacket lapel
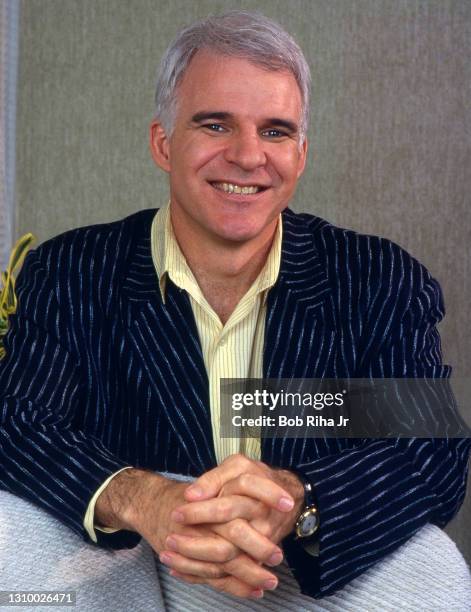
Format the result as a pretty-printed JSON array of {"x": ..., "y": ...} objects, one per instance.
[
  {"x": 165, "y": 342},
  {"x": 300, "y": 333},
  {"x": 299, "y": 327}
]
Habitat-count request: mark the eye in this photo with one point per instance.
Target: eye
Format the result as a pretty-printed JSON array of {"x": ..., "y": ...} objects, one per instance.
[
  {"x": 214, "y": 127},
  {"x": 273, "y": 133}
]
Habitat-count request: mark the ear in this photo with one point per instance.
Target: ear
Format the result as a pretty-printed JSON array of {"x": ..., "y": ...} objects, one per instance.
[
  {"x": 302, "y": 157},
  {"x": 159, "y": 145}
]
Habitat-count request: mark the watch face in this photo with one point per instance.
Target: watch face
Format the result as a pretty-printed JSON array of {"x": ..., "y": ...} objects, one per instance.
[{"x": 308, "y": 523}]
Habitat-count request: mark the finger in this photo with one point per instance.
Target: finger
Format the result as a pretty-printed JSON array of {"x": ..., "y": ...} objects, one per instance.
[
  {"x": 209, "y": 484},
  {"x": 241, "y": 567},
  {"x": 191, "y": 566},
  {"x": 213, "y": 549},
  {"x": 229, "y": 585},
  {"x": 247, "y": 539},
  {"x": 261, "y": 488},
  {"x": 219, "y": 510},
  {"x": 247, "y": 570}
]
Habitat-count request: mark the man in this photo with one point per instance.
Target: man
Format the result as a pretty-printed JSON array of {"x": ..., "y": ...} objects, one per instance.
[{"x": 124, "y": 330}]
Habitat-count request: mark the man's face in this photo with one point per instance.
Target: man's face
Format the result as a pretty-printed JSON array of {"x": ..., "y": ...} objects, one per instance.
[{"x": 234, "y": 156}]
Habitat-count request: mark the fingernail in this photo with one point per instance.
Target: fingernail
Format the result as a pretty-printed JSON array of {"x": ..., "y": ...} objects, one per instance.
[
  {"x": 171, "y": 543},
  {"x": 285, "y": 503},
  {"x": 275, "y": 559},
  {"x": 195, "y": 491},
  {"x": 177, "y": 517},
  {"x": 270, "y": 584},
  {"x": 164, "y": 558},
  {"x": 258, "y": 594}
]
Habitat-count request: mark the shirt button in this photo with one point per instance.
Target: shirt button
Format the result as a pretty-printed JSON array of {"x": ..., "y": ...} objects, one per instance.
[{"x": 223, "y": 341}]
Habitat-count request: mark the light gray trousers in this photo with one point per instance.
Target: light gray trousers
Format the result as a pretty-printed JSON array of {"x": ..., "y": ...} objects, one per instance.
[{"x": 38, "y": 553}]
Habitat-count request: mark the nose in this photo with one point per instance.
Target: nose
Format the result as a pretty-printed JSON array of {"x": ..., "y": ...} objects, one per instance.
[{"x": 246, "y": 149}]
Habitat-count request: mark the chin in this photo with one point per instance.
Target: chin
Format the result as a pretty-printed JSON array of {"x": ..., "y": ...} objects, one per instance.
[
  {"x": 238, "y": 232},
  {"x": 243, "y": 227}
]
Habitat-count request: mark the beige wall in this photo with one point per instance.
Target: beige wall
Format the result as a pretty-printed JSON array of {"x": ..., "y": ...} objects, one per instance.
[{"x": 390, "y": 136}]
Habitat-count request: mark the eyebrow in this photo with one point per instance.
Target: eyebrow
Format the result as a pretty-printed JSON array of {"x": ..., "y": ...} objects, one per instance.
[
  {"x": 205, "y": 115},
  {"x": 225, "y": 116}
]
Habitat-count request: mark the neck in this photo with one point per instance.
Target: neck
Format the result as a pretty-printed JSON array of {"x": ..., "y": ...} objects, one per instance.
[{"x": 224, "y": 271}]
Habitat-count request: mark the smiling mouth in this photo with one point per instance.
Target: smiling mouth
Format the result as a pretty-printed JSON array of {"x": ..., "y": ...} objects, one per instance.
[{"x": 238, "y": 189}]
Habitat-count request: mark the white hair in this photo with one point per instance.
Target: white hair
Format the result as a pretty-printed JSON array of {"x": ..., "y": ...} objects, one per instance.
[{"x": 243, "y": 34}]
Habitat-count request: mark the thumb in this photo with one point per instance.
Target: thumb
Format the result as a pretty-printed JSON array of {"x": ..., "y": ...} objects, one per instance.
[{"x": 210, "y": 484}]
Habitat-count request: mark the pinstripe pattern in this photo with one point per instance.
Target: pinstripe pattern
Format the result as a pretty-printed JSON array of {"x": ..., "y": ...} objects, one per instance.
[{"x": 100, "y": 374}]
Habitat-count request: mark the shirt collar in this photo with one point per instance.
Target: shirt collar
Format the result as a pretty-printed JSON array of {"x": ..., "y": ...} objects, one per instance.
[{"x": 169, "y": 260}]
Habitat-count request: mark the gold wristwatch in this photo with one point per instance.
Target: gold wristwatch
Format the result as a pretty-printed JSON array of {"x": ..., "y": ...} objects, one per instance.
[{"x": 308, "y": 521}]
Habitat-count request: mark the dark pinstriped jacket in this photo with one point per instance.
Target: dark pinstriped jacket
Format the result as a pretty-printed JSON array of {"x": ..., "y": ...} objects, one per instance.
[{"x": 100, "y": 374}]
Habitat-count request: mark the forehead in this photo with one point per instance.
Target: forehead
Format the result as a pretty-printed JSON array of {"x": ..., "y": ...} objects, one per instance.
[{"x": 236, "y": 85}]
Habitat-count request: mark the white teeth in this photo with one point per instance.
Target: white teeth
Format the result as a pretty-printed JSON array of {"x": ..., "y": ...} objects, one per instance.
[{"x": 233, "y": 188}]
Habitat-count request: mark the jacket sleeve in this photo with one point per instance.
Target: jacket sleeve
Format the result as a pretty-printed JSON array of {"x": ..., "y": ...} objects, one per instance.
[
  {"x": 44, "y": 456},
  {"x": 376, "y": 495}
]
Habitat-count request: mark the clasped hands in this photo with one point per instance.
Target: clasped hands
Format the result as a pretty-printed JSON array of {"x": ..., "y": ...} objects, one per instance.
[{"x": 230, "y": 526}]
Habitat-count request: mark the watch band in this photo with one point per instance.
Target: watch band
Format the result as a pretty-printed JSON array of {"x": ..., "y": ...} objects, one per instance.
[{"x": 309, "y": 495}]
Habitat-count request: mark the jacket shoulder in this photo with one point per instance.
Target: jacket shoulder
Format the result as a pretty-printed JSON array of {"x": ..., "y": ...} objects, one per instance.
[
  {"x": 88, "y": 259},
  {"x": 123, "y": 230},
  {"x": 351, "y": 256}
]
